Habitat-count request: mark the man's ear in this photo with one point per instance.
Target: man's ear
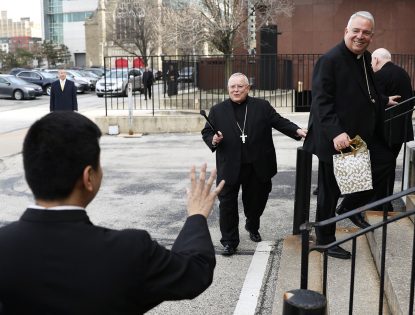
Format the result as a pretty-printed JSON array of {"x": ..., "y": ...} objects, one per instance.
[{"x": 87, "y": 178}]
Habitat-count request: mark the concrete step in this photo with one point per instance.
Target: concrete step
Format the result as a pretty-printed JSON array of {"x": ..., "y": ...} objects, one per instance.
[
  {"x": 366, "y": 285},
  {"x": 366, "y": 277},
  {"x": 410, "y": 205},
  {"x": 398, "y": 259},
  {"x": 289, "y": 271}
]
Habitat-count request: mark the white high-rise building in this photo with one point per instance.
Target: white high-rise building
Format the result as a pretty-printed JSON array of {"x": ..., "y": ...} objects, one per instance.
[{"x": 63, "y": 23}]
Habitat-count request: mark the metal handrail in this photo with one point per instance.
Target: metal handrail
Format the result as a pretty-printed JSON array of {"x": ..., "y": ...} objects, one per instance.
[{"x": 306, "y": 248}]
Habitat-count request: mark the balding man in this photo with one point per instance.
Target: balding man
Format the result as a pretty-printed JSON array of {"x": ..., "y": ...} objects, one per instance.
[{"x": 393, "y": 80}]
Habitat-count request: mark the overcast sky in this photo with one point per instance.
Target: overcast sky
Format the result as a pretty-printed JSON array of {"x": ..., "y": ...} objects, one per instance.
[{"x": 17, "y": 9}]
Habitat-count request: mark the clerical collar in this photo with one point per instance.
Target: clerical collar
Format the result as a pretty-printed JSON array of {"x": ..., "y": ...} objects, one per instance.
[
  {"x": 359, "y": 56},
  {"x": 243, "y": 103},
  {"x": 63, "y": 207}
]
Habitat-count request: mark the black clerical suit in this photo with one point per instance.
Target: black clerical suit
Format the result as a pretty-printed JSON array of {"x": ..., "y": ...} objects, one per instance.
[
  {"x": 58, "y": 262},
  {"x": 251, "y": 164},
  {"x": 393, "y": 80},
  {"x": 341, "y": 102},
  {"x": 148, "y": 79},
  {"x": 63, "y": 99}
]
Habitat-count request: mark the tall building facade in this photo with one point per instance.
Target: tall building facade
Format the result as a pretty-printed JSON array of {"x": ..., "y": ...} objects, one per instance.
[
  {"x": 24, "y": 27},
  {"x": 63, "y": 23}
]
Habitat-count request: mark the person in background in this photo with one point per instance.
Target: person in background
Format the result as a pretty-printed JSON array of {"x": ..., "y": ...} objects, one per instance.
[
  {"x": 245, "y": 157},
  {"x": 54, "y": 260},
  {"x": 172, "y": 81},
  {"x": 393, "y": 80},
  {"x": 63, "y": 94},
  {"x": 148, "y": 80}
]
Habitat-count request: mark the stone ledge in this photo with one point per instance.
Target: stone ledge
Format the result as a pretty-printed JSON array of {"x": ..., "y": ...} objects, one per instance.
[{"x": 153, "y": 124}]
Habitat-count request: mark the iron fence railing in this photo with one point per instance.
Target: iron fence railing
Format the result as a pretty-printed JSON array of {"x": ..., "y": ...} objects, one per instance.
[
  {"x": 199, "y": 81},
  {"x": 306, "y": 228}
]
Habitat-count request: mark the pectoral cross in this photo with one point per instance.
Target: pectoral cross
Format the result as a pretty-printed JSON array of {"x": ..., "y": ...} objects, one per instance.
[{"x": 243, "y": 136}]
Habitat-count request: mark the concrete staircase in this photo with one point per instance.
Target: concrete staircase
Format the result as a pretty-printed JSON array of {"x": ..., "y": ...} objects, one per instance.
[{"x": 367, "y": 270}]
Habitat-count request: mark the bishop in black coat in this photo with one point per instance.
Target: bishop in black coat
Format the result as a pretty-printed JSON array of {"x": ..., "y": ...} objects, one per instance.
[
  {"x": 245, "y": 156},
  {"x": 394, "y": 80},
  {"x": 346, "y": 103}
]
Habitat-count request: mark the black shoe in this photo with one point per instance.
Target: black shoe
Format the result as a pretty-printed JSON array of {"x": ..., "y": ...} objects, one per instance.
[
  {"x": 338, "y": 252},
  {"x": 254, "y": 236},
  {"x": 228, "y": 250},
  {"x": 357, "y": 219},
  {"x": 315, "y": 191}
]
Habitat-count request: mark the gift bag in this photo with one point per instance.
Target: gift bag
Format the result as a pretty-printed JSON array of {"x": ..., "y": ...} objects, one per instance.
[{"x": 352, "y": 169}]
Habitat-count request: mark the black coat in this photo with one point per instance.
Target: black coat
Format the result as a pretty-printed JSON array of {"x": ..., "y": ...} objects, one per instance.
[
  {"x": 393, "y": 80},
  {"x": 58, "y": 262},
  {"x": 261, "y": 118},
  {"x": 148, "y": 78},
  {"x": 341, "y": 102},
  {"x": 63, "y": 100}
]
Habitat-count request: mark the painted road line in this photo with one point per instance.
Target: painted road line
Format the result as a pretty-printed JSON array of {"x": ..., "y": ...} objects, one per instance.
[{"x": 248, "y": 299}]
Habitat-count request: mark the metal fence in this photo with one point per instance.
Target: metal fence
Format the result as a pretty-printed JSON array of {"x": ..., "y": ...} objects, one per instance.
[{"x": 197, "y": 82}]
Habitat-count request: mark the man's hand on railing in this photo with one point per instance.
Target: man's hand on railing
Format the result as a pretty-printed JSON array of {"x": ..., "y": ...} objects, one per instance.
[{"x": 393, "y": 100}]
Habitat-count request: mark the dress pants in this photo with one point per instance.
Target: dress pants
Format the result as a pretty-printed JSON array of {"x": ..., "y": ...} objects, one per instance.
[
  {"x": 387, "y": 190},
  {"x": 254, "y": 199},
  {"x": 382, "y": 163},
  {"x": 147, "y": 89}
]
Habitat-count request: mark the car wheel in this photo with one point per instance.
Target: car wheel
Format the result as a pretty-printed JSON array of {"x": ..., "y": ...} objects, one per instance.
[
  {"x": 48, "y": 89},
  {"x": 100, "y": 95},
  {"x": 18, "y": 95}
]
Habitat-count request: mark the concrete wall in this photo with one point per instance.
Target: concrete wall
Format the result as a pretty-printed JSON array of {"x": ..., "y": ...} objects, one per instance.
[{"x": 153, "y": 124}]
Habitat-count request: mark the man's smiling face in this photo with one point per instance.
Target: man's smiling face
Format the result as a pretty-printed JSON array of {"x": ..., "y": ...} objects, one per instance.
[{"x": 358, "y": 35}]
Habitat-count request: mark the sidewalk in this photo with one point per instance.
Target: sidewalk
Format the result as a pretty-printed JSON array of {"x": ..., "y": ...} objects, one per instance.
[
  {"x": 144, "y": 186},
  {"x": 11, "y": 142}
]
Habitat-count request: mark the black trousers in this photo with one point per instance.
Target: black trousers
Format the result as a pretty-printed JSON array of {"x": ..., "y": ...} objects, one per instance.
[
  {"x": 387, "y": 190},
  {"x": 254, "y": 199},
  {"x": 147, "y": 89},
  {"x": 382, "y": 164}
]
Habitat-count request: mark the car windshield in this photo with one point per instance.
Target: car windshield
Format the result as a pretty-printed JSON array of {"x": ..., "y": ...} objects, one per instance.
[
  {"x": 117, "y": 74},
  {"x": 48, "y": 75},
  {"x": 186, "y": 70},
  {"x": 75, "y": 73},
  {"x": 16, "y": 80}
]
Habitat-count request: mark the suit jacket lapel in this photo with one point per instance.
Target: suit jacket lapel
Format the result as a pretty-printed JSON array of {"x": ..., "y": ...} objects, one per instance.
[
  {"x": 231, "y": 115},
  {"x": 356, "y": 73}
]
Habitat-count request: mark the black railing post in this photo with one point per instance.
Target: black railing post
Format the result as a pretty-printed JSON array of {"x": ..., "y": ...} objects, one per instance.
[
  {"x": 302, "y": 189},
  {"x": 305, "y": 248},
  {"x": 299, "y": 302}
]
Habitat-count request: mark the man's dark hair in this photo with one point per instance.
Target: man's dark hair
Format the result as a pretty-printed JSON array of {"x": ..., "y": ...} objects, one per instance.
[{"x": 56, "y": 150}]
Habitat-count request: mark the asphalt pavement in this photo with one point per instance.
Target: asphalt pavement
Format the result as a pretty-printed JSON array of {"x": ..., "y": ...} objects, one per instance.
[{"x": 144, "y": 184}]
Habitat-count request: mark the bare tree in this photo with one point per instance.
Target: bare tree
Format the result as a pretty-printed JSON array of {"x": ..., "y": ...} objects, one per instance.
[
  {"x": 220, "y": 22},
  {"x": 182, "y": 29},
  {"x": 135, "y": 28}
]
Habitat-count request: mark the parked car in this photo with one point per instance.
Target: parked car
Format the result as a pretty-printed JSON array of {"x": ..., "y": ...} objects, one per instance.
[
  {"x": 14, "y": 71},
  {"x": 97, "y": 71},
  {"x": 11, "y": 86},
  {"x": 41, "y": 78},
  {"x": 78, "y": 75},
  {"x": 186, "y": 75},
  {"x": 115, "y": 82},
  {"x": 81, "y": 85}
]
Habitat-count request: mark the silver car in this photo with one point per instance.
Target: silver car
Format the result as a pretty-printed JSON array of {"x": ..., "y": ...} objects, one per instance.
[
  {"x": 11, "y": 86},
  {"x": 114, "y": 82}
]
